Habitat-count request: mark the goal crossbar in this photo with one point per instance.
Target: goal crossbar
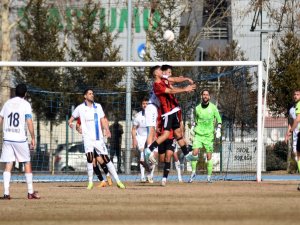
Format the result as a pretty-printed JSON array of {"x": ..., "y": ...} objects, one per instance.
[{"x": 129, "y": 64}]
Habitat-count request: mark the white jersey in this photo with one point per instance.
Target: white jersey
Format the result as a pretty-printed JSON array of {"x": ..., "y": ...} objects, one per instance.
[
  {"x": 151, "y": 115},
  {"x": 90, "y": 121},
  {"x": 292, "y": 112},
  {"x": 140, "y": 122},
  {"x": 151, "y": 110},
  {"x": 141, "y": 131},
  {"x": 15, "y": 112},
  {"x": 153, "y": 99}
]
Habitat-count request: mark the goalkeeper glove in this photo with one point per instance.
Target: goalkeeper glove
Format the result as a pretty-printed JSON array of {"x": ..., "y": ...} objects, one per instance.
[
  {"x": 218, "y": 132},
  {"x": 192, "y": 132}
]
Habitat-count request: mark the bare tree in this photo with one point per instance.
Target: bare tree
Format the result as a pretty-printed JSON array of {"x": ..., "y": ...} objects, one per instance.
[
  {"x": 7, "y": 28},
  {"x": 6, "y": 51},
  {"x": 285, "y": 14},
  {"x": 61, "y": 6}
]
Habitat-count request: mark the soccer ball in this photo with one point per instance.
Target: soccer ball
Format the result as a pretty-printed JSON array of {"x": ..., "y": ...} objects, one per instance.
[{"x": 169, "y": 35}]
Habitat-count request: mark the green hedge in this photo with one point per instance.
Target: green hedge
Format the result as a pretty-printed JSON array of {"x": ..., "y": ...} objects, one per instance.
[{"x": 276, "y": 156}]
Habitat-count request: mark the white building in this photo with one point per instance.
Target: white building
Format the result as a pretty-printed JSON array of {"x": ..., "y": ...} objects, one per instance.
[{"x": 237, "y": 25}]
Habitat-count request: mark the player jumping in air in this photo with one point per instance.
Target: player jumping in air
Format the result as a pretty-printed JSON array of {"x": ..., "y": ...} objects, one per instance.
[{"x": 170, "y": 107}]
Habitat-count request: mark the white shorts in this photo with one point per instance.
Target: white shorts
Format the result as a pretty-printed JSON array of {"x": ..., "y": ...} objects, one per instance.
[
  {"x": 141, "y": 141},
  {"x": 151, "y": 115},
  {"x": 15, "y": 151},
  {"x": 99, "y": 147}
]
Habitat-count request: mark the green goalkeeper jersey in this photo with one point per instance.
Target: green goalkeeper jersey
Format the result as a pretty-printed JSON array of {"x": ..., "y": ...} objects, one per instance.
[{"x": 205, "y": 119}]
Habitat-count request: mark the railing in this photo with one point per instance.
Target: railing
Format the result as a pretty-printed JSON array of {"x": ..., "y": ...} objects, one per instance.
[{"x": 214, "y": 33}]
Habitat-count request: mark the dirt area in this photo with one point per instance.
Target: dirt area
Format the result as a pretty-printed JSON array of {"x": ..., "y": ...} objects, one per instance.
[{"x": 221, "y": 202}]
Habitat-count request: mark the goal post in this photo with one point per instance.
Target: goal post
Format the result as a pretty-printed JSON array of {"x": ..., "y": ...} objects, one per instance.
[{"x": 257, "y": 64}]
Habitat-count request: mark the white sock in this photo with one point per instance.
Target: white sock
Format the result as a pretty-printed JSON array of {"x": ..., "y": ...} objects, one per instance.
[
  {"x": 152, "y": 171},
  {"x": 112, "y": 171},
  {"x": 90, "y": 172},
  {"x": 142, "y": 171},
  {"x": 182, "y": 167},
  {"x": 6, "y": 182},
  {"x": 177, "y": 166},
  {"x": 142, "y": 156},
  {"x": 29, "y": 182}
]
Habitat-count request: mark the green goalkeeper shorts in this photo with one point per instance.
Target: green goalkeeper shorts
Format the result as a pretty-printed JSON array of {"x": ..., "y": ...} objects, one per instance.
[{"x": 206, "y": 143}]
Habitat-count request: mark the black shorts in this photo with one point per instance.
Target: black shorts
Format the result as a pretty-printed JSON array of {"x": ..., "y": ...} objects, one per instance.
[
  {"x": 168, "y": 144},
  {"x": 171, "y": 122},
  {"x": 298, "y": 142},
  {"x": 96, "y": 154}
]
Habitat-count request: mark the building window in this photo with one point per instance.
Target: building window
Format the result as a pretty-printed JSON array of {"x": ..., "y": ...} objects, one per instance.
[{"x": 215, "y": 19}]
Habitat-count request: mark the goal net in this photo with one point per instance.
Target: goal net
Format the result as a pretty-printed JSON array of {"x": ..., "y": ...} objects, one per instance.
[{"x": 56, "y": 88}]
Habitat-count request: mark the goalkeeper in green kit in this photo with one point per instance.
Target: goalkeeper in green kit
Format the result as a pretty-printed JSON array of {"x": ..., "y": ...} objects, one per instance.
[{"x": 207, "y": 124}]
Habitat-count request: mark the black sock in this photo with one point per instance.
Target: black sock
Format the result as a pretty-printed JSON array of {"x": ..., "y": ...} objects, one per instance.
[
  {"x": 184, "y": 150},
  {"x": 153, "y": 146},
  {"x": 104, "y": 167},
  {"x": 98, "y": 172},
  {"x": 167, "y": 169}
]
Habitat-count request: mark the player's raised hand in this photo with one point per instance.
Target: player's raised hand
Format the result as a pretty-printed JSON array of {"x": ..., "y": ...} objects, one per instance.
[
  {"x": 218, "y": 132},
  {"x": 190, "y": 81},
  {"x": 190, "y": 88}
]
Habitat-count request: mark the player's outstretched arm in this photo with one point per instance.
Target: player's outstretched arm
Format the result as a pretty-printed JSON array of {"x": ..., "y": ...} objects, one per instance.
[
  {"x": 176, "y": 90},
  {"x": 180, "y": 79}
]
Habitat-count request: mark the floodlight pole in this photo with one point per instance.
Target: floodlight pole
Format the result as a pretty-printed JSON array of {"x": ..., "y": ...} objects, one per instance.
[{"x": 128, "y": 95}]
